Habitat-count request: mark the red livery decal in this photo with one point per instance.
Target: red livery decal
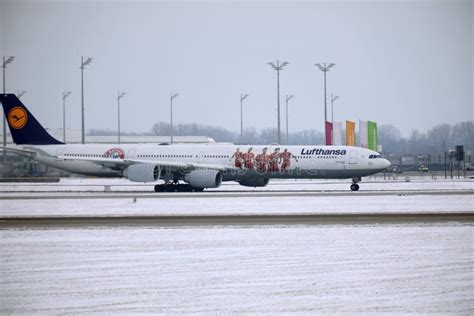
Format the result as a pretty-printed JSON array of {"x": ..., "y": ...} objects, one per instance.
[{"x": 115, "y": 153}]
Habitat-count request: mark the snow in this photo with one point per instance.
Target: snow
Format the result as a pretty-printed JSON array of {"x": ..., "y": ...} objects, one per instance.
[
  {"x": 270, "y": 269},
  {"x": 85, "y": 197},
  {"x": 238, "y": 206},
  {"x": 218, "y": 269},
  {"x": 368, "y": 184}
]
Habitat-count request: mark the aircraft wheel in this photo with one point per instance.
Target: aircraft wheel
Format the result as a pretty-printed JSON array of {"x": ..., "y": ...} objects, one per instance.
[
  {"x": 177, "y": 188},
  {"x": 183, "y": 188},
  {"x": 354, "y": 187},
  {"x": 169, "y": 188}
]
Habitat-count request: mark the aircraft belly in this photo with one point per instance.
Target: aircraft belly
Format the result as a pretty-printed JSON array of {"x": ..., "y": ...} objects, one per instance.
[{"x": 299, "y": 174}]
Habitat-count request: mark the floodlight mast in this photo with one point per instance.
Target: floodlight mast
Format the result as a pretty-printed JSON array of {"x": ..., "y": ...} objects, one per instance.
[
  {"x": 333, "y": 99},
  {"x": 288, "y": 98},
  {"x": 324, "y": 67},
  {"x": 65, "y": 95},
  {"x": 278, "y": 67},
  {"x": 119, "y": 96},
  {"x": 20, "y": 93},
  {"x": 242, "y": 98},
  {"x": 84, "y": 63},
  {"x": 6, "y": 60},
  {"x": 172, "y": 97}
]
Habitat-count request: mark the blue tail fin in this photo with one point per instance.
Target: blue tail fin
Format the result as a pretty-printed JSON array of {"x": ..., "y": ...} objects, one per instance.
[{"x": 25, "y": 129}]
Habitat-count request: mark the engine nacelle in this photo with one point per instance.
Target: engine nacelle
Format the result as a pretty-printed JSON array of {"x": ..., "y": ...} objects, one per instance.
[
  {"x": 204, "y": 178},
  {"x": 257, "y": 182},
  {"x": 142, "y": 172}
]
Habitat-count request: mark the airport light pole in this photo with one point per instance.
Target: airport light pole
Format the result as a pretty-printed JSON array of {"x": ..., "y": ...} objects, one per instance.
[
  {"x": 333, "y": 99},
  {"x": 65, "y": 95},
  {"x": 19, "y": 94},
  {"x": 242, "y": 98},
  {"x": 119, "y": 96},
  {"x": 278, "y": 67},
  {"x": 6, "y": 60},
  {"x": 172, "y": 97},
  {"x": 324, "y": 67},
  {"x": 84, "y": 63},
  {"x": 288, "y": 98}
]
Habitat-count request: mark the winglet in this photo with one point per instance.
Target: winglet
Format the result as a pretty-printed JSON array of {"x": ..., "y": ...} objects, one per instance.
[{"x": 25, "y": 129}]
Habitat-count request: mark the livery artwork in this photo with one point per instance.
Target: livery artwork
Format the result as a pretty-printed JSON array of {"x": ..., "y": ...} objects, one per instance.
[
  {"x": 276, "y": 161},
  {"x": 263, "y": 162},
  {"x": 115, "y": 153}
]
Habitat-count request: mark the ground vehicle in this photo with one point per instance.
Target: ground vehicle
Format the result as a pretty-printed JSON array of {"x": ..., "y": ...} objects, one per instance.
[
  {"x": 395, "y": 169},
  {"x": 423, "y": 168}
]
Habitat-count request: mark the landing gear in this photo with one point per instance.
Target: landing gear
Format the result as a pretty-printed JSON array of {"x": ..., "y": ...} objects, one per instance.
[
  {"x": 176, "y": 187},
  {"x": 354, "y": 185}
]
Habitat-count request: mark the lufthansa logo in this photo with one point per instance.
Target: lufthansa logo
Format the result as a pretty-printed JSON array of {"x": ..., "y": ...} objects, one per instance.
[{"x": 17, "y": 117}]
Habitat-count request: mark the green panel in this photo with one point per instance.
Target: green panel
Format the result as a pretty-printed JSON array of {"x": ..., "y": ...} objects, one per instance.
[{"x": 372, "y": 135}]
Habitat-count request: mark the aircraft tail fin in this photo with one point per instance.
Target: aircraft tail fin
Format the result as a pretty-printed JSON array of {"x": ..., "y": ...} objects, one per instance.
[{"x": 24, "y": 128}]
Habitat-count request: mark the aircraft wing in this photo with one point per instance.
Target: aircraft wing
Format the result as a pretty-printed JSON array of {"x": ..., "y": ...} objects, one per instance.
[{"x": 120, "y": 164}]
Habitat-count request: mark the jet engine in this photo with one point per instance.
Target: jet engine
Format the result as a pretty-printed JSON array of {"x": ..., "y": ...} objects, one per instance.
[
  {"x": 204, "y": 178},
  {"x": 257, "y": 182},
  {"x": 142, "y": 172}
]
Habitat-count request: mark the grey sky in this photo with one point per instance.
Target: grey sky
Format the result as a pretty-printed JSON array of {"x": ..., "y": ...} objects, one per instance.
[{"x": 409, "y": 64}]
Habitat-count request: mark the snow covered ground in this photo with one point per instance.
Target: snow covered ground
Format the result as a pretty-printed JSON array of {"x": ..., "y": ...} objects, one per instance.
[
  {"x": 332, "y": 268},
  {"x": 239, "y": 205},
  {"x": 101, "y": 203},
  {"x": 270, "y": 269}
]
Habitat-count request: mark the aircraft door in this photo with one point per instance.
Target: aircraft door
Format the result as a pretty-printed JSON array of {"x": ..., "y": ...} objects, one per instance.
[
  {"x": 201, "y": 157},
  {"x": 132, "y": 153},
  {"x": 60, "y": 152},
  {"x": 352, "y": 156}
]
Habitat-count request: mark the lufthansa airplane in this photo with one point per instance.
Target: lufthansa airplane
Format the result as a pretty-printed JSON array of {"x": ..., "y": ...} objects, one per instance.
[{"x": 188, "y": 167}]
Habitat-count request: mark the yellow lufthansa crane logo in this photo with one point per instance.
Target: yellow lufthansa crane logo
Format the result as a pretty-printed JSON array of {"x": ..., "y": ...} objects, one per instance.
[{"x": 17, "y": 117}]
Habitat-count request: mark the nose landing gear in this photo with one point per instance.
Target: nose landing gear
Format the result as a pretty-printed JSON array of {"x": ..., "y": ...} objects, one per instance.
[{"x": 354, "y": 185}]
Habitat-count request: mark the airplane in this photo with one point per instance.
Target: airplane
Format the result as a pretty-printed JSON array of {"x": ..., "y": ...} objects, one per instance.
[{"x": 188, "y": 167}]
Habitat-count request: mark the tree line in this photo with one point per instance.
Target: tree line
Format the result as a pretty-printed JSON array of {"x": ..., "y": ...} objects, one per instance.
[{"x": 437, "y": 140}]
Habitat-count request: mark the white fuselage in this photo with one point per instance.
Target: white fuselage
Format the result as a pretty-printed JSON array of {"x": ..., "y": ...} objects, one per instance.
[{"x": 308, "y": 161}]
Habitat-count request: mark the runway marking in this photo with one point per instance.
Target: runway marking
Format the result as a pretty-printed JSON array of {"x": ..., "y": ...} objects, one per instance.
[
  {"x": 218, "y": 194},
  {"x": 213, "y": 220}
]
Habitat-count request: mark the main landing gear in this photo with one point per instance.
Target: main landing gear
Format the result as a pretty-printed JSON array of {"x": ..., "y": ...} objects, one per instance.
[
  {"x": 176, "y": 187},
  {"x": 354, "y": 185}
]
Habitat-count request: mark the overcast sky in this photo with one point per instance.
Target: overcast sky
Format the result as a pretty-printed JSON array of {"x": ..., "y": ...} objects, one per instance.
[{"x": 409, "y": 64}]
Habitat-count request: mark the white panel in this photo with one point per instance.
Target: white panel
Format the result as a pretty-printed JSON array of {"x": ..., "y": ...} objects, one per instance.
[
  {"x": 363, "y": 134},
  {"x": 337, "y": 133}
]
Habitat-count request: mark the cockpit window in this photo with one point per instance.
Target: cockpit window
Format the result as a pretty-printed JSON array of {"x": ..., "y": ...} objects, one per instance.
[{"x": 374, "y": 156}]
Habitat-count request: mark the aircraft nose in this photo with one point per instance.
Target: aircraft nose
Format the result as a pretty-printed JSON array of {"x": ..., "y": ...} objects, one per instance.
[{"x": 386, "y": 163}]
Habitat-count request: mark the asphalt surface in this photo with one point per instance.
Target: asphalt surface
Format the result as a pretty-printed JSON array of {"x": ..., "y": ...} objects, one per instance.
[{"x": 207, "y": 220}]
